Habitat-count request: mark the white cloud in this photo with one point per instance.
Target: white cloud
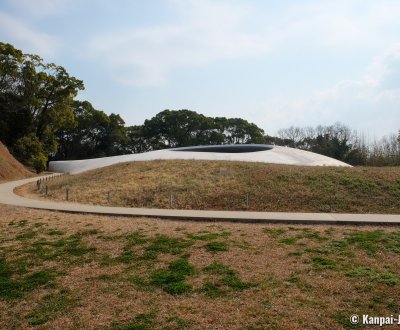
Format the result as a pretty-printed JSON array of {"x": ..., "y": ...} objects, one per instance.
[
  {"x": 207, "y": 32},
  {"x": 370, "y": 104},
  {"x": 385, "y": 69},
  {"x": 42, "y": 8},
  {"x": 344, "y": 23},
  {"x": 23, "y": 35}
]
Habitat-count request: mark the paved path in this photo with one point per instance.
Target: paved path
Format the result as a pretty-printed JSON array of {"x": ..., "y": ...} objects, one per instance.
[{"x": 7, "y": 196}]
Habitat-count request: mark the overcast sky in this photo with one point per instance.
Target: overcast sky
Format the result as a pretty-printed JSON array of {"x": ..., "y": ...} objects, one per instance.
[{"x": 274, "y": 63}]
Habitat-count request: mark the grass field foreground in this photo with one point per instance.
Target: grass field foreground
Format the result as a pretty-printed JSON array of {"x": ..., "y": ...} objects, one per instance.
[
  {"x": 75, "y": 271},
  {"x": 200, "y": 185}
]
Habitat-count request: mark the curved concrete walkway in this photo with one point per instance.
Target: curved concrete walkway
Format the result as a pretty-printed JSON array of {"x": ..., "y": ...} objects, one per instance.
[{"x": 7, "y": 196}]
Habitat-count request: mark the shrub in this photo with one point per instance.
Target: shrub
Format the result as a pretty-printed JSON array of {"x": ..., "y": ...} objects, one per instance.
[{"x": 30, "y": 151}]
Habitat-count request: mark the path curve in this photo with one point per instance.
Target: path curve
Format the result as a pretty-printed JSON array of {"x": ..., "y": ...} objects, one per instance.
[{"x": 7, "y": 196}]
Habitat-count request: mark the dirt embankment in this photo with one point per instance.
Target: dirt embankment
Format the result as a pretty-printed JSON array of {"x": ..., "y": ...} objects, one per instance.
[{"x": 10, "y": 168}]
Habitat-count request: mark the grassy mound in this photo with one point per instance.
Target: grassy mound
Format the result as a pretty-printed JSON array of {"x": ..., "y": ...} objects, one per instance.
[{"x": 222, "y": 185}]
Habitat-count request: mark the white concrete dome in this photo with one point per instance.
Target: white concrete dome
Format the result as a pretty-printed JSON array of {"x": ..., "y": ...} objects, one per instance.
[{"x": 246, "y": 152}]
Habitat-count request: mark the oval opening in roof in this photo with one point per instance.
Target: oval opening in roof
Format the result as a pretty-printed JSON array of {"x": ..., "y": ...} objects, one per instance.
[{"x": 227, "y": 148}]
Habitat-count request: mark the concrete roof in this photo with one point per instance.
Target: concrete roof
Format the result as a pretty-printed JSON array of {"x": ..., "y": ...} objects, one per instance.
[{"x": 273, "y": 154}]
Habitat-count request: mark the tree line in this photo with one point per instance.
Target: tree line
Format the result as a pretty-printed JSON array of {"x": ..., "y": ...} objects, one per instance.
[
  {"x": 41, "y": 120},
  {"x": 340, "y": 142},
  {"x": 97, "y": 135}
]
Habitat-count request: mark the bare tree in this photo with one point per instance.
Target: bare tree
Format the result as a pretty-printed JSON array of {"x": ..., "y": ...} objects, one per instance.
[{"x": 295, "y": 135}]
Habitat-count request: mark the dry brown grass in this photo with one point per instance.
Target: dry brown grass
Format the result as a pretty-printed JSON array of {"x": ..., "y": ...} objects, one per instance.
[
  {"x": 310, "y": 277},
  {"x": 199, "y": 185},
  {"x": 10, "y": 168}
]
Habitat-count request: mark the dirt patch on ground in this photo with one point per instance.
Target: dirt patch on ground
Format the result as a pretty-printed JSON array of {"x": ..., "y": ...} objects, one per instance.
[{"x": 61, "y": 270}]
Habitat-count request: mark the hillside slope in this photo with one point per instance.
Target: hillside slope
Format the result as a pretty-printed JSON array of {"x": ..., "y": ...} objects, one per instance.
[
  {"x": 10, "y": 168},
  {"x": 228, "y": 185}
]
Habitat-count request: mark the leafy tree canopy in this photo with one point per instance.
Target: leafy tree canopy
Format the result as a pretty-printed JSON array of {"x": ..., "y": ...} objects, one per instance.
[{"x": 35, "y": 98}]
